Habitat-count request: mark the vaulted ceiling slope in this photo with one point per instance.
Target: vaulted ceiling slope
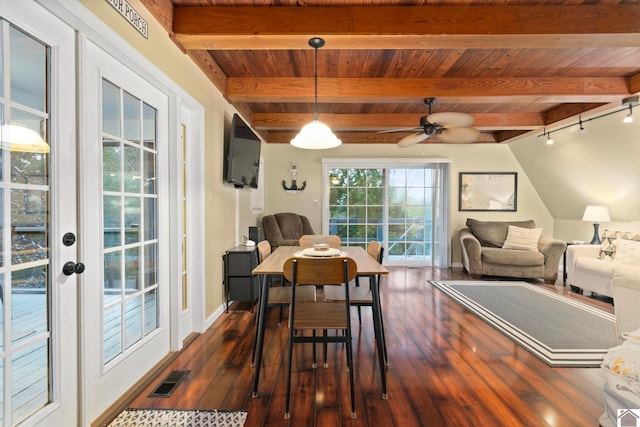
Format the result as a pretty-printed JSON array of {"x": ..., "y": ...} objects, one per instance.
[{"x": 517, "y": 66}]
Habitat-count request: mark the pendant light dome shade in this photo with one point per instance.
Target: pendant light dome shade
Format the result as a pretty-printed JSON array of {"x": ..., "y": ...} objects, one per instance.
[
  {"x": 19, "y": 138},
  {"x": 316, "y": 135}
]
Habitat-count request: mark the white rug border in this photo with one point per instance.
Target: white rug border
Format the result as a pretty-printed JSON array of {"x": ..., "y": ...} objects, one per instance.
[
  {"x": 558, "y": 357},
  {"x": 242, "y": 414}
]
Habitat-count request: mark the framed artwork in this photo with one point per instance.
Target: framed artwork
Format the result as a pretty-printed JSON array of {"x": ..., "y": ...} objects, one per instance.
[{"x": 488, "y": 191}]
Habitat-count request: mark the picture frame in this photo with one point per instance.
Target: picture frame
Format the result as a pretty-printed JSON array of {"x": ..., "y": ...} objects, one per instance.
[{"x": 488, "y": 191}]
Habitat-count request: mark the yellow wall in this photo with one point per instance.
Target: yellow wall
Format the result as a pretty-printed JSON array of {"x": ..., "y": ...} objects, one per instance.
[{"x": 466, "y": 158}]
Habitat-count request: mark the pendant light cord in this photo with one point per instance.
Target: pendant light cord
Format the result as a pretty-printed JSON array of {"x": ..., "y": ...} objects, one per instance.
[{"x": 315, "y": 105}]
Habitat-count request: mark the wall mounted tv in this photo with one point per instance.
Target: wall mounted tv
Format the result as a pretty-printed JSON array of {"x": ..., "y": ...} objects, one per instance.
[{"x": 243, "y": 155}]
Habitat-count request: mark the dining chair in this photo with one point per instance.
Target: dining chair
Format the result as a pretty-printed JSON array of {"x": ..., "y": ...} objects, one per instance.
[
  {"x": 362, "y": 296},
  {"x": 308, "y": 240},
  {"x": 322, "y": 315},
  {"x": 279, "y": 296}
]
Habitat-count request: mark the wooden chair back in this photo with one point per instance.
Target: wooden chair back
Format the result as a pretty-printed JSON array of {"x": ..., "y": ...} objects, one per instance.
[
  {"x": 308, "y": 240},
  {"x": 320, "y": 271},
  {"x": 375, "y": 250},
  {"x": 264, "y": 250}
]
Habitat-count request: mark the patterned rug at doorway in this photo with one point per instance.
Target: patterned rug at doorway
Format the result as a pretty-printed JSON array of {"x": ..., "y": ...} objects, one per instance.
[
  {"x": 559, "y": 330},
  {"x": 178, "y": 418}
]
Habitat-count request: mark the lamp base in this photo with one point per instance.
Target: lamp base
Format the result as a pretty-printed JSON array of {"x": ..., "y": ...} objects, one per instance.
[{"x": 596, "y": 236}]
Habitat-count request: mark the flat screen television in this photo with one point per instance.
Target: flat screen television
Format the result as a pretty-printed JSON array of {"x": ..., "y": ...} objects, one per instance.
[{"x": 243, "y": 155}]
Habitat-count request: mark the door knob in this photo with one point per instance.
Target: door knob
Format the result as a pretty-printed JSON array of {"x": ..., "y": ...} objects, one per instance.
[{"x": 71, "y": 267}]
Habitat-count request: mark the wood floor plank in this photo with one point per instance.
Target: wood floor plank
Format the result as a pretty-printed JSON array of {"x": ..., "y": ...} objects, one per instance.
[{"x": 446, "y": 367}]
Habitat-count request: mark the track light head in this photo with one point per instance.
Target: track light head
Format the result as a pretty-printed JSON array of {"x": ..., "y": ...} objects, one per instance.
[{"x": 629, "y": 117}]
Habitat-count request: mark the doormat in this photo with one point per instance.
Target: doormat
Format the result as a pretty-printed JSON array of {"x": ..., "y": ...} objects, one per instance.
[
  {"x": 559, "y": 330},
  {"x": 131, "y": 417}
]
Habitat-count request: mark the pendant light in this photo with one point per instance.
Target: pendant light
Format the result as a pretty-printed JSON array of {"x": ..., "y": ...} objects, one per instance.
[
  {"x": 316, "y": 135},
  {"x": 20, "y": 138}
]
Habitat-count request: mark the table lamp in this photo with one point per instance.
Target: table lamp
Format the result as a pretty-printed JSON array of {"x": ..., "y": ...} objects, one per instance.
[{"x": 596, "y": 215}]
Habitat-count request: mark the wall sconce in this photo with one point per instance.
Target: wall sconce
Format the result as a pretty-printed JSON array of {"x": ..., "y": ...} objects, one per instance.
[{"x": 293, "y": 189}]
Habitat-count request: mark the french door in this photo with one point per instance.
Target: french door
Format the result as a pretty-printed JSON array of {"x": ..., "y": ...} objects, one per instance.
[
  {"x": 403, "y": 205},
  {"x": 124, "y": 191},
  {"x": 38, "y": 222}
]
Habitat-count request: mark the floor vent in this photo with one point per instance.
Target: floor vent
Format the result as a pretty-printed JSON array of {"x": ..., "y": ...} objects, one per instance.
[{"x": 169, "y": 384}]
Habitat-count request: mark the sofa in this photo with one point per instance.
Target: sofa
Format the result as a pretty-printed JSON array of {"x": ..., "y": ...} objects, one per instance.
[
  {"x": 488, "y": 249},
  {"x": 593, "y": 267},
  {"x": 620, "y": 365},
  {"x": 285, "y": 228}
]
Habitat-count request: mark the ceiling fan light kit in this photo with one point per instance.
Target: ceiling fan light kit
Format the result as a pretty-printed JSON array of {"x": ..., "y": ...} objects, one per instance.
[
  {"x": 450, "y": 127},
  {"x": 316, "y": 135}
]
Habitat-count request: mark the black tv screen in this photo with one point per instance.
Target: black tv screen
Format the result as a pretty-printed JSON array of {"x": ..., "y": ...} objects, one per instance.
[{"x": 243, "y": 155}]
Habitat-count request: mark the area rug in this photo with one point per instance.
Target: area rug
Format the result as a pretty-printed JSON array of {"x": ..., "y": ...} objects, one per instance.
[
  {"x": 178, "y": 418},
  {"x": 558, "y": 330}
]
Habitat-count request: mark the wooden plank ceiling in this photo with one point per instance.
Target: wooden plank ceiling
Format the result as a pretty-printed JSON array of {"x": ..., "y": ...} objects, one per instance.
[{"x": 517, "y": 66}]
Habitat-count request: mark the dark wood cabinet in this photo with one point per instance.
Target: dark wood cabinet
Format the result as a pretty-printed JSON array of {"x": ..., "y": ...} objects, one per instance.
[{"x": 240, "y": 284}]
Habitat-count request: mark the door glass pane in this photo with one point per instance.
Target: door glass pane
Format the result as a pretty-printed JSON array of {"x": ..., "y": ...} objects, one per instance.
[
  {"x": 28, "y": 88},
  {"x": 394, "y": 206},
  {"x": 25, "y": 279},
  {"x": 112, "y": 162},
  {"x": 110, "y": 109},
  {"x": 132, "y": 172},
  {"x": 131, "y": 117},
  {"x": 129, "y": 196}
]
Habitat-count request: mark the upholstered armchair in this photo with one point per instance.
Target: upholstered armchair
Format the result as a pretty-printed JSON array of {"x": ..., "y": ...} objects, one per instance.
[
  {"x": 285, "y": 228},
  {"x": 485, "y": 252}
]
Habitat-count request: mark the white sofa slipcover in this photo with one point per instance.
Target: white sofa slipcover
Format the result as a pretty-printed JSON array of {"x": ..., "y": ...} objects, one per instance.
[{"x": 588, "y": 272}]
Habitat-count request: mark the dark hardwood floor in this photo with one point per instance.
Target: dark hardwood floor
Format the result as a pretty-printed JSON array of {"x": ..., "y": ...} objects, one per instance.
[{"x": 446, "y": 368}]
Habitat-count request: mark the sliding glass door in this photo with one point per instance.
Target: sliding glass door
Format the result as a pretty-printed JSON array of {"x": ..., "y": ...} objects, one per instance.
[{"x": 404, "y": 205}]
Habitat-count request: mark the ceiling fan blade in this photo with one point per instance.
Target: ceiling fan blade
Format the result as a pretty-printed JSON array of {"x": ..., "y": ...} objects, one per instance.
[
  {"x": 451, "y": 120},
  {"x": 412, "y": 139},
  {"x": 459, "y": 135},
  {"x": 400, "y": 130}
]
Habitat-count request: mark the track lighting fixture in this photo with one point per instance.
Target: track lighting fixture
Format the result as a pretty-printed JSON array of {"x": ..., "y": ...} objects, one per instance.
[
  {"x": 582, "y": 130},
  {"x": 629, "y": 117},
  {"x": 549, "y": 139},
  {"x": 631, "y": 101}
]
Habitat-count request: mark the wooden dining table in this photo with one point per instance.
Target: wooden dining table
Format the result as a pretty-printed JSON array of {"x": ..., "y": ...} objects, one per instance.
[{"x": 274, "y": 265}]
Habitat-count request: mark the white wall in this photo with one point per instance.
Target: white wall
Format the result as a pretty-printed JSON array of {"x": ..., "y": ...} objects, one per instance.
[{"x": 599, "y": 167}]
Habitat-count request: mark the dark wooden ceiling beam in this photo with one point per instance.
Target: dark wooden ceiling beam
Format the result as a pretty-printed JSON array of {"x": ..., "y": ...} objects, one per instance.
[
  {"x": 408, "y": 27},
  {"x": 366, "y": 138},
  {"x": 449, "y": 90},
  {"x": 362, "y": 122}
]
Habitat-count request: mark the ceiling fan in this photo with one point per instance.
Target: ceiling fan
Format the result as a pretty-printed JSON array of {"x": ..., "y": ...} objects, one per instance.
[{"x": 453, "y": 128}]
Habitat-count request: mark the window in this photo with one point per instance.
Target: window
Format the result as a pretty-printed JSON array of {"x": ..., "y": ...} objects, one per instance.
[{"x": 403, "y": 204}]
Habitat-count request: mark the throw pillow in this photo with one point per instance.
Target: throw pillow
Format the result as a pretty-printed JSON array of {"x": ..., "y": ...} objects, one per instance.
[
  {"x": 607, "y": 247},
  {"x": 627, "y": 251},
  {"x": 522, "y": 238},
  {"x": 493, "y": 233}
]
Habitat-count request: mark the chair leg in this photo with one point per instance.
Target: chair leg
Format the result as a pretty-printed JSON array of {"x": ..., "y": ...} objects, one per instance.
[
  {"x": 315, "y": 363},
  {"x": 287, "y": 413},
  {"x": 255, "y": 338},
  {"x": 324, "y": 348},
  {"x": 350, "y": 366}
]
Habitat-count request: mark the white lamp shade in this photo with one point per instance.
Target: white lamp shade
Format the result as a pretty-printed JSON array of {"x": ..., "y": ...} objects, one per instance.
[
  {"x": 596, "y": 214},
  {"x": 315, "y": 136},
  {"x": 19, "y": 138}
]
